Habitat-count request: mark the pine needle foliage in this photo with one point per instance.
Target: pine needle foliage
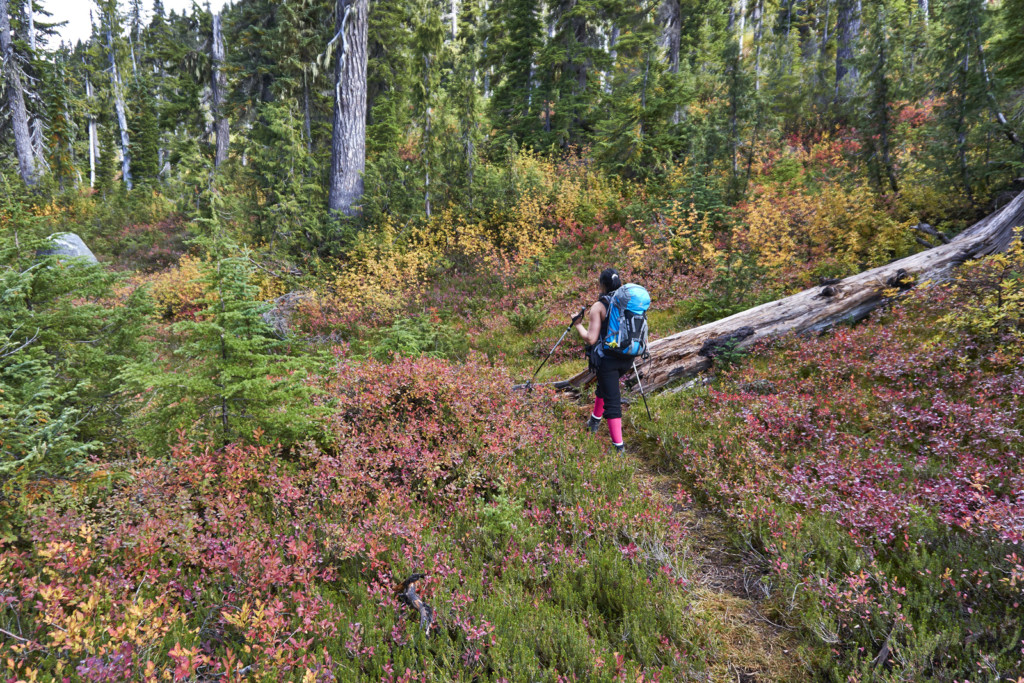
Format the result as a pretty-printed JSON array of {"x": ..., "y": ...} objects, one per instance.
[{"x": 227, "y": 375}]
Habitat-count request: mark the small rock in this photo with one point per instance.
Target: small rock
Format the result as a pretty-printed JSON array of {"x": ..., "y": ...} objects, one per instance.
[{"x": 280, "y": 315}]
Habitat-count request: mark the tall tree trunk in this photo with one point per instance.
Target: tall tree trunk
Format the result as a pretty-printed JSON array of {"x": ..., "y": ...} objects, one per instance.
[
  {"x": 122, "y": 120},
  {"x": 93, "y": 137},
  {"x": 35, "y": 123},
  {"x": 742, "y": 21},
  {"x": 922, "y": 7},
  {"x": 218, "y": 87},
  {"x": 882, "y": 100},
  {"x": 961, "y": 126},
  {"x": 16, "y": 101},
  {"x": 426, "y": 135},
  {"x": 306, "y": 122},
  {"x": 613, "y": 55},
  {"x": 847, "y": 31},
  {"x": 673, "y": 17},
  {"x": 758, "y": 35},
  {"x": 348, "y": 143},
  {"x": 30, "y": 15}
]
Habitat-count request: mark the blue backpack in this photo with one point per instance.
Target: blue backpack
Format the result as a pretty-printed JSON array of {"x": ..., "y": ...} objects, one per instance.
[{"x": 626, "y": 331}]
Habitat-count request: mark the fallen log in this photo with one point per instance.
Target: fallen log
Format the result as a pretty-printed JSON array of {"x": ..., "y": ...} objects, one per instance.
[{"x": 818, "y": 309}]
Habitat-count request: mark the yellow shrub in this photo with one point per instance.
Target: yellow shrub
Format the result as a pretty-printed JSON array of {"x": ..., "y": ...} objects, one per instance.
[
  {"x": 994, "y": 306},
  {"x": 180, "y": 289},
  {"x": 690, "y": 237},
  {"x": 788, "y": 227}
]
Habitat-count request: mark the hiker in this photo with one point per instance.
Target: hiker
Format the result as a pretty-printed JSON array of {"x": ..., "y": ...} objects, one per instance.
[{"x": 612, "y": 355}]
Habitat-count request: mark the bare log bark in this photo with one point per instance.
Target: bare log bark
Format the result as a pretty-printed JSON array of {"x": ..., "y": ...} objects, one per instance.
[
  {"x": 348, "y": 145},
  {"x": 16, "y": 101},
  {"x": 218, "y": 87},
  {"x": 820, "y": 308}
]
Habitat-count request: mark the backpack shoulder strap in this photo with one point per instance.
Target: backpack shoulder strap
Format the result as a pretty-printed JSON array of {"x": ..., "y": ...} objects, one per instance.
[{"x": 606, "y": 300}]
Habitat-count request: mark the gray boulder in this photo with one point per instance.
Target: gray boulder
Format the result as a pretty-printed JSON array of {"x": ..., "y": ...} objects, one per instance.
[{"x": 68, "y": 245}]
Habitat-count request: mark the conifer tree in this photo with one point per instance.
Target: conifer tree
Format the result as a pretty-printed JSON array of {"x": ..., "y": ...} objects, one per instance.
[
  {"x": 106, "y": 168},
  {"x": 514, "y": 46},
  {"x": 1009, "y": 42},
  {"x": 465, "y": 101},
  {"x": 427, "y": 61},
  {"x": 286, "y": 192},
  {"x": 389, "y": 177},
  {"x": 230, "y": 375},
  {"x": 964, "y": 109},
  {"x": 143, "y": 125},
  {"x": 636, "y": 138},
  {"x": 877, "y": 115},
  {"x": 61, "y": 133},
  {"x": 60, "y": 350}
]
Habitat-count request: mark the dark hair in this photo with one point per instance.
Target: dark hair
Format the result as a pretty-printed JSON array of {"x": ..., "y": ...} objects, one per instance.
[{"x": 610, "y": 279}]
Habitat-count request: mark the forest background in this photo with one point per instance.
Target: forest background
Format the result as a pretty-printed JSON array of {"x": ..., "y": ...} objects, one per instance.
[{"x": 331, "y": 235}]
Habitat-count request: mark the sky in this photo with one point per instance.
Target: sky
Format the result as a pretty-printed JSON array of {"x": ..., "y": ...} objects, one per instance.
[{"x": 76, "y": 13}]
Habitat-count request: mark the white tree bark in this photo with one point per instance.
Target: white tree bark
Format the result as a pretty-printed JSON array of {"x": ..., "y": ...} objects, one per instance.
[
  {"x": 93, "y": 137},
  {"x": 16, "y": 100},
  {"x": 122, "y": 120},
  {"x": 218, "y": 87},
  {"x": 820, "y": 308},
  {"x": 742, "y": 24},
  {"x": 348, "y": 140}
]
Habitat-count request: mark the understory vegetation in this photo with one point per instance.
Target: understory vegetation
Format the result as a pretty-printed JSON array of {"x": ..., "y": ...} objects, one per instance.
[
  {"x": 270, "y": 399},
  {"x": 193, "y": 492}
]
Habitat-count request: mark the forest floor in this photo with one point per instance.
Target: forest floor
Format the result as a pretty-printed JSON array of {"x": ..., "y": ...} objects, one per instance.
[{"x": 725, "y": 583}]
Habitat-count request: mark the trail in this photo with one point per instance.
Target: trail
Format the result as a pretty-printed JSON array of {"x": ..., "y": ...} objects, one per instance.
[{"x": 726, "y": 589}]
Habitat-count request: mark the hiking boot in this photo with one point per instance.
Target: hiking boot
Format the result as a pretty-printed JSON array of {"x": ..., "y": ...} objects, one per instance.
[
  {"x": 620, "y": 448},
  {"x": 593, "y": 423}
]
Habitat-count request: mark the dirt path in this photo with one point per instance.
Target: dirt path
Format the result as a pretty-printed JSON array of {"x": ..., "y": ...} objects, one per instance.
[{"x": 728, "y": 594}]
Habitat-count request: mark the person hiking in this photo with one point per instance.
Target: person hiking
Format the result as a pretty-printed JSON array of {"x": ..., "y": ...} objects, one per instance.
[{"x": 607, "y": 358}]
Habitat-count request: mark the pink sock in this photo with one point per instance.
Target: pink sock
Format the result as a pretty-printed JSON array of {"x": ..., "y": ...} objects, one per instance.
[
  {"x": 598, "y": 407},
  {"x": 615, "y": 429}
]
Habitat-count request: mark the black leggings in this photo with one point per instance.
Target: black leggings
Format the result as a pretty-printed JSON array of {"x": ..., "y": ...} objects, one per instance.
[{"x": 609, "y": 370}]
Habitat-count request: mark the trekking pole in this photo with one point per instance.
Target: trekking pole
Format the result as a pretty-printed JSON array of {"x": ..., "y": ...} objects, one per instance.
[
  {"x": 576, "y": 318},
  {"x": 641, "y": 385}
]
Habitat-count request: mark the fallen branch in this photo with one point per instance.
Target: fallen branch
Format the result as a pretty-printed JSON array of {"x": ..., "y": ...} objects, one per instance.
[{"x": 406, "y": 593}]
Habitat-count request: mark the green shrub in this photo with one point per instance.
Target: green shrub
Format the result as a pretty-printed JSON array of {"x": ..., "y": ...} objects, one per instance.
[
  {"x": 423, "y": 335},
  {"x": 230, "y": 375},
  {"x": 526, "y": 319}
]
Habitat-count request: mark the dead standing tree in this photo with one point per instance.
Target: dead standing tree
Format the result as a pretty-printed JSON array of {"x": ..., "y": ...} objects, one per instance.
[
  {"x": 16, "y": 100},
  {"x": 348, "y": 141},
  {"x": 818, "y": 309},
  {"x": 218, "y": 88}
]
